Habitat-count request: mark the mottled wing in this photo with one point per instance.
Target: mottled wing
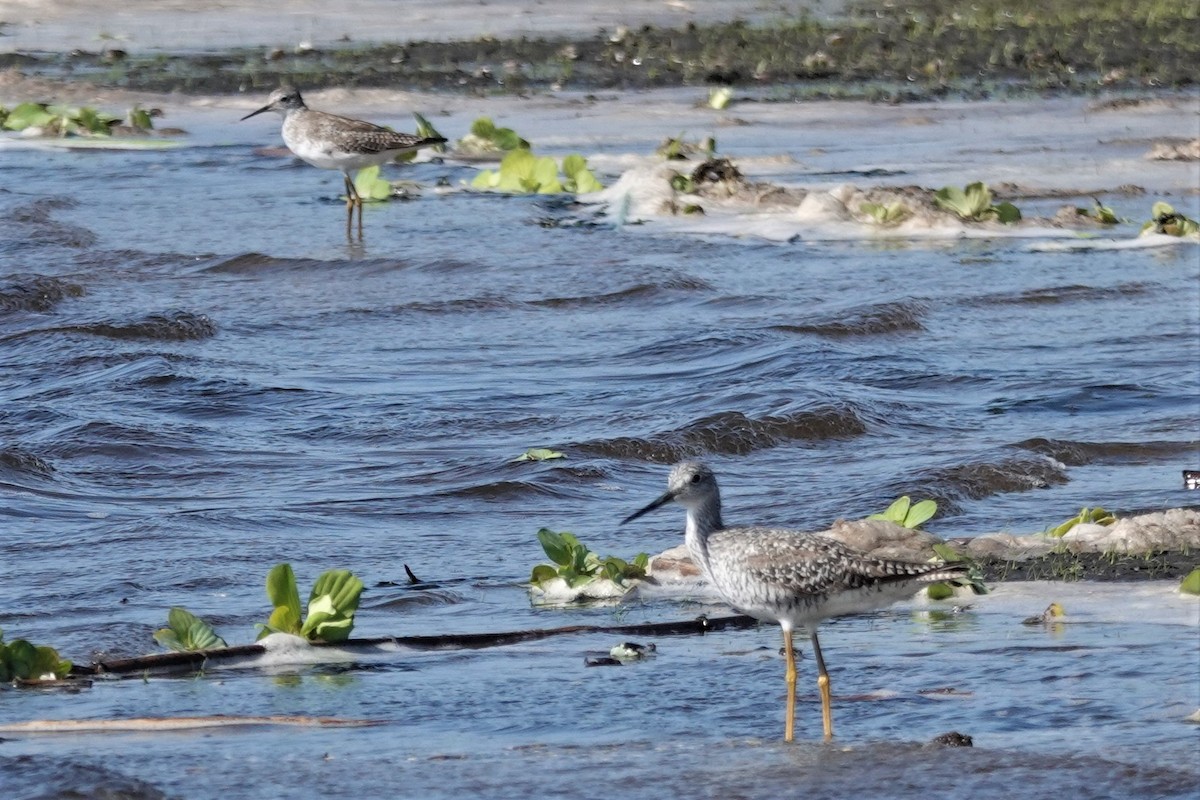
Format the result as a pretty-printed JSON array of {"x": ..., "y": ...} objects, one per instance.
[
  {"x": 805, "y": 563},
  {"x": 360, "y": 136}
]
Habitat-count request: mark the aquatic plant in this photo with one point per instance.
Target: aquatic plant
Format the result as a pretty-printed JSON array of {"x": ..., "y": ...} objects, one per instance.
[
  {"x": 485, "y": 138},
  {"x": 521, "y": 172},
  {"x": 1191, "y": 584},
  {"x": 973, "y": 580},
  {"x": 577, "y": 565},
  {"x": 425, "y": 130},
  {"x": 539, "y": 454},
  {"x": 22, "y": 662},
  {"x": 1098, "y": 213},
  {"x": 719, "y": 97},
  {"x": 331, "y": 605},
  {"x": 677, "y": 148},
  {"x": 974, "y": 204},
  {"x": 59, "y": 120},
  {"x": 185, "y": 632},
  {"x": 1095, "y": 515},
  {"x": 1165, "y": 219},
  {"x": 370, "y": 187},
  {"x": 907, "y": 514},
  {"x": 891, "y": 214},
  {"x": 139, "y": 119}
]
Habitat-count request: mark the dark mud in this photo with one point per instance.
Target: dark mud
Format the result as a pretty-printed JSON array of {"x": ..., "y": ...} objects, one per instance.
[
  {"x": 914, "y": 51},
  {"x": 1153, "y": 566}
]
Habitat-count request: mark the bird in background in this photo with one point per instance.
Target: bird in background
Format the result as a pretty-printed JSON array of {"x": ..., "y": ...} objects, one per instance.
[
  {"x": 328, "y": 141},
  {"x": 794, "y": 578}
]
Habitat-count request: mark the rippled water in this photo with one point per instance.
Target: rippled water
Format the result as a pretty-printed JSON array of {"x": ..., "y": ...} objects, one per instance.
[{"x": 201, "y": 378}]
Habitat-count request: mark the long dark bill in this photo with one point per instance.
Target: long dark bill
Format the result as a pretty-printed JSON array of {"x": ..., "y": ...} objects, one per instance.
[
  {"x": 255, "y": 113},
  {"x": 666, "y": 498}
]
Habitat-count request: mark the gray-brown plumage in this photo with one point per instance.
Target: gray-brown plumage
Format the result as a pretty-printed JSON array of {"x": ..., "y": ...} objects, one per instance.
[
  {"x": 794, "y": 578},
  {"x": 328, "y": 141}
]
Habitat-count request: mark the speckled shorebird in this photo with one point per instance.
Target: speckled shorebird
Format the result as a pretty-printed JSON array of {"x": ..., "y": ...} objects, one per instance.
[
  {"x": 796, "y": 579},
  {"x": 328, "y": 141}
]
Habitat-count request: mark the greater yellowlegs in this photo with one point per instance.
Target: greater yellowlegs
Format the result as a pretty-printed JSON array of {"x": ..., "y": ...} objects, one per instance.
[
  {"x": 328, "y": 141},
  {"x": 786, "y": 576}
]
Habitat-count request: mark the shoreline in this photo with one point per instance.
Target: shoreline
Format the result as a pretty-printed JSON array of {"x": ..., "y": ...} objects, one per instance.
[{"x": 937, "y": 49}]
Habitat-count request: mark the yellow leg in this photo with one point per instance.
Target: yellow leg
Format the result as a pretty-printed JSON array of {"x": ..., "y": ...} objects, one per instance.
[
  {"x": 823, "y": 685},
  {"x": 353, "y": 200},
  {"x": 789, "y": 724}
]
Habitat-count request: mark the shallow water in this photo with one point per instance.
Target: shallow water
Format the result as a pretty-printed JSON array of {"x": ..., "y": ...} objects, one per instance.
[{"x": 202, "y": 378}]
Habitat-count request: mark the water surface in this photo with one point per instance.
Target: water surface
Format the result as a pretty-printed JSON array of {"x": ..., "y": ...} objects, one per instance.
[{"x": 202, "y": 378}]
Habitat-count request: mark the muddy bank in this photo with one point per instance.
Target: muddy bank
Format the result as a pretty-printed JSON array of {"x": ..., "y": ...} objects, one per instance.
[{"x": 922, "y": 50}]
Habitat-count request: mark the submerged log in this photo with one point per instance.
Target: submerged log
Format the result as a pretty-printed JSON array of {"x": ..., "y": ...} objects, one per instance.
[{"x": 192, "y": 661}]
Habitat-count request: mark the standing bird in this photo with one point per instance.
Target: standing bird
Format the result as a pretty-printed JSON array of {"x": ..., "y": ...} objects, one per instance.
[
  {"x": 786, "y": 576},
  {"x": 328, "y": 141}
]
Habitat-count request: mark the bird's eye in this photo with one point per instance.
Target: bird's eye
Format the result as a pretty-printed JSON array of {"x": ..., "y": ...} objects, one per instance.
[{"x": 696, "y": 478}]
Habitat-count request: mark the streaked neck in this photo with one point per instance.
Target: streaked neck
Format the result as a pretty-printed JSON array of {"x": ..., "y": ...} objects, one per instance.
[{"x": 701, "y": 522}]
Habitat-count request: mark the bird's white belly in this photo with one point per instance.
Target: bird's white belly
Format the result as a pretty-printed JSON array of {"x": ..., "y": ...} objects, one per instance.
[{"x": 326, "y": 157}]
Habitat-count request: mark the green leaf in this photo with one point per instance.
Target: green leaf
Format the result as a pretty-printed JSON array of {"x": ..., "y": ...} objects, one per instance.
[
  {"x": 47, "y": 662},
  {"x": 1191, "y": 584},
  {"x": 920, "y": 513},
  {"x": 947, "y": 553},
  {"x": 21, "y": 659},
  {"x": 186, "y": 632},
  {"x": 542, "y": 573},
  {"x": 719, "y": 97},
  {"x": 898, "y": 510},
  {"x": 331, "y": 606},
  {"x": 1007, "y": 213},
  {"x": 484, "y": 128},
  {"x": 939, "y": 591},
  {"x": 425, "y": 129},
  {"x": 573, "y": 164},
  {"x": 139, "y": 118},
  {"x": 486, "y": 179},
  {"x": 28, "y": 115},
  {"x": 539, "y": 454},
  {"x": 577, "y": 579},
  {"x": 1159, "y": 209},
  {"x": 281, "y": 588},
  {"x": 507, "y": 139},
  {"x": 556, "y": 547},
  {"x": 370, "y": 186}
]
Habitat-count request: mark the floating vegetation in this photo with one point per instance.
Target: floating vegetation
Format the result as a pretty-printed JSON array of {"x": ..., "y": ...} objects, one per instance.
[
  {"x": 331, "y": 605},
  {"x": 1165, "y": 219},
  {"x": 25, "y": 663},
  {"x": 577, "y": 565},
  {"x": 521, "y": 172},
  {"x": 539, "y": 454},
  {"x": 886, "y": 214},
  {"x": 677, "y": 148},
  {"x": 1191, "y": 584},
  {"x": 486, "y": 139},
  {"x": 1096, "y": 516},
  {"x": 370, "y": 187},
  {"x": 186, "y": 633},
  {"x": 974, "y": 204},
  {"x": 907, "y": 514}
]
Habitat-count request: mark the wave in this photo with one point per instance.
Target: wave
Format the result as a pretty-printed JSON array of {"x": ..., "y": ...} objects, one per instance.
[
  {"x": 1073, "y": 293},
  {"x": 733, "y": 433},
  {"x": 171, "y": 326},
  {"x": 977, "y": 480},
  {"x": 35, "y": 293},
  {"x": 20, "y": 461},
  {"x": 35, "y": 227},
  {"x": 870, "y": 320},
  {"x": 1079, "y": 453}
]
